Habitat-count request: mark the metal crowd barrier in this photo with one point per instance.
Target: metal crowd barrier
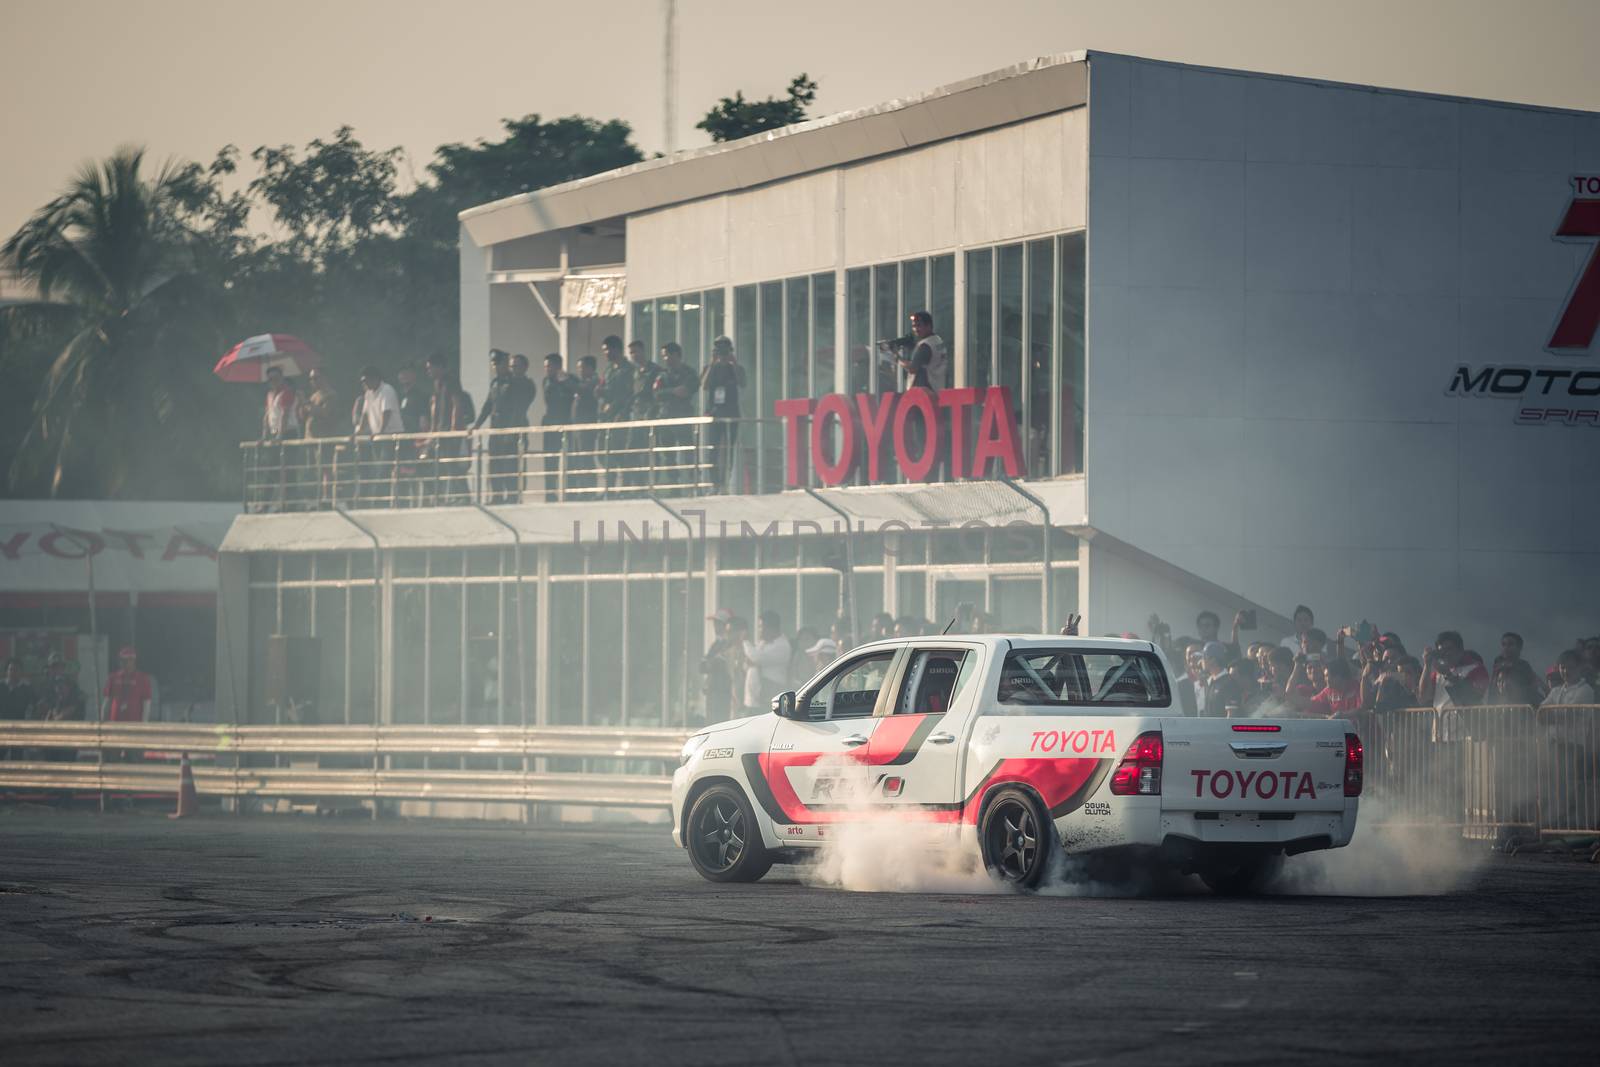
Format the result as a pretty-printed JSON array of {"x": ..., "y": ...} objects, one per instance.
[
  {"x": 137, "y": 758},
  {"x": 694, "y": 456},
  {"x": 1503, "y": 773}
]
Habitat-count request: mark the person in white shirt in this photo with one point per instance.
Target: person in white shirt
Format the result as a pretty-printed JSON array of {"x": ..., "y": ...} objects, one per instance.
[
  {"x": 767, "y": 657},
  {"x": 376, "y": 413},
  {"x": 1573, "y": 689},
  {"x": 279, "y": 421},
  {"x": 378, "y": 409},
  {"x": 1304, "y": 620}
]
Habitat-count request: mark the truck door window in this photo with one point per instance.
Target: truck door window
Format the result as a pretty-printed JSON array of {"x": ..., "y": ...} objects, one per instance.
[
  {"x": 851, "y": 692},
  {"x": 932, "y": 682}
]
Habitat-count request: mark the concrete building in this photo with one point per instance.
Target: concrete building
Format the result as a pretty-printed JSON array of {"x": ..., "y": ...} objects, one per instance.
[{"x": 1261, "y": 341}]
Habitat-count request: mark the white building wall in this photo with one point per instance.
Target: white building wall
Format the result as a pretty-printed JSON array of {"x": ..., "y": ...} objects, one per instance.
[
  {"x": 1283, "y": 277},
  {"x": 1000, "y": 185}
]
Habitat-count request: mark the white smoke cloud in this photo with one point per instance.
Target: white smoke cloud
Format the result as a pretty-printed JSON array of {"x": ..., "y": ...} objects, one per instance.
[{"x": 1385, "y": 860}]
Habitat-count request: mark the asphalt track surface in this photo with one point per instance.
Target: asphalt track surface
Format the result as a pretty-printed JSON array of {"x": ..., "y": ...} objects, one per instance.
[{"x": 129, "y": 939}]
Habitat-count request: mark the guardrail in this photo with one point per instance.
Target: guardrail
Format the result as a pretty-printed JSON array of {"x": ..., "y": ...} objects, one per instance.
[
  {"x": 693, "y": 456},
  {"x": 1505, "y": 772},
  {"x": 46, "y": 756}
]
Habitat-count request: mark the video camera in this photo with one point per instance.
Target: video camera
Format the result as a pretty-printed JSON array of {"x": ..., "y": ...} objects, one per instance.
[{"x": 898, "y": 343}]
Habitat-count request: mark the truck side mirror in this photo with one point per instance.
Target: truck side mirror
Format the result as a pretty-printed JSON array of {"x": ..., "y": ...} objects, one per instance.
[{"x": 783, "y": 705}]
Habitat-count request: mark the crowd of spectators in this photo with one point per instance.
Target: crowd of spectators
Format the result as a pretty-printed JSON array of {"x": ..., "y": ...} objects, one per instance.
[
  {"x": 621, "y": 387},
  {"x": 1306, "y": 674},
  {"x": 1360, "y": 669}
]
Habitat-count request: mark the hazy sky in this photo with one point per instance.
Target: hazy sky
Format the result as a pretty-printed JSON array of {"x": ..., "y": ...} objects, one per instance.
[{"x": 78, "y": 77}]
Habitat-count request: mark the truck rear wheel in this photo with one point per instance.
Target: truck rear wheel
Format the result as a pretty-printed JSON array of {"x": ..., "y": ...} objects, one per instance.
[
  {"x": 723, "y": 839},
  {"x": 1016, "y": 837}
]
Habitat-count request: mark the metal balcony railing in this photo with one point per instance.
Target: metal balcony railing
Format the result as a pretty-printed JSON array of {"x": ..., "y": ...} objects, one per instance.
[{"x": 697, "y": 456}]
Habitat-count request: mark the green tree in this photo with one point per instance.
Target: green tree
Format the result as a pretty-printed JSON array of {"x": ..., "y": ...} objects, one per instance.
[
  {"x": 121, "y": 405},
  {"x": 735, "y": 117},
  {"x": 335, "y": 196}
]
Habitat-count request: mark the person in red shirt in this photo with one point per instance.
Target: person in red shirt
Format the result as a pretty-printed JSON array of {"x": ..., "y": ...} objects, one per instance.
[
  {"x": 128, "y": 691},
  {"x": 1342, "y": 693}
]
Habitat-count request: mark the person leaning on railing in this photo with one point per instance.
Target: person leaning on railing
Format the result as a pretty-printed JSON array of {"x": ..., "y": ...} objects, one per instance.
[
  {"x": 615, "y": 394},
  {"x": 559, "y": 394},
  {"x": 505, "y": 408},
  {"x": 450, "y": 410}
]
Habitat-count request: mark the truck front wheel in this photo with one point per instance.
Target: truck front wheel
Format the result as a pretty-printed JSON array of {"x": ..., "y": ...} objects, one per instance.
[{"x": 724, "y": 840}]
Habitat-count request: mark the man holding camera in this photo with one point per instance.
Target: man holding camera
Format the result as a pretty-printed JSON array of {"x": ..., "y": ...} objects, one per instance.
[{"x": 921, "y": 354}]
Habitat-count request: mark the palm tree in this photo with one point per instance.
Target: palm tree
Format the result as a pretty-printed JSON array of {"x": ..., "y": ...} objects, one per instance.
[{"x": 112, "y": 261}]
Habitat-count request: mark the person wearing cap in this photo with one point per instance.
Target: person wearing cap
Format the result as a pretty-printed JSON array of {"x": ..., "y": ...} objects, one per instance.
[
  {"x": 128, "y": 691},
  {"x": 716, "y": 679},
  {"x": 502, "y": 410}
]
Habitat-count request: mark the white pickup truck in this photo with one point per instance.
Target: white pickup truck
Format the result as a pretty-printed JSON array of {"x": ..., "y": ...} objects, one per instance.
[{"x": 1020, "y": 746}]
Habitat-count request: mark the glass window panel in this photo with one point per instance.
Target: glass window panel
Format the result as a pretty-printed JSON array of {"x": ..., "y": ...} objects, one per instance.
[
  {"x": 444, "y": 653},
  {"x": 296, "y": 567},
  {"x": 296, "y": 612},
  {"x": 1010, "y": 312},
  {"x": 715, "y": 317},
  {"x": 483, "y": 562},
  {"x": 819, "y": 605},
  {"x": 606, "y": 621},
  {"x": 689, "y": 311},
  {"x": 361, "y": 565},
  {"x": 1041, "y": 347},
  {"x": 746, "y": 323},
  {"x": 797, "y": 337},
  {"x": 263, "y": 567},
  {"x": 606, "y": 558},
  {"x": 566, "y": 653},
  {"x": 411, "y": 563},
  {"x": 565, "y": 559},
  {"x": 736, "y": 553},
  {"x": 1063, "y": 594},
  {"x": 1016, "y": 605},
  {"x": 980, "y": 318},
  {"x": 858, "y": 292},
  {"x": 770, "y": 376},
  {"x": 645, "y": 627},
  {"x": 867, "y": 588},
  {"x": 331, "y": 565},
  {"x": 913, "y": 290},
  {"x": 821, "y": 334},
  {"x": 520, "y": 668},
  {"x": 443, "y": 562},
  {"x": 263, "y": 623},
  {"x": 484, "y": 677},
  {"x": 363, "y": 655},
  {"x": 959, "y": 545},
  {"x": 942, "y": 297},
  {"x": 410, "y": 641},
  {"x": 912, "y": 595},
  {"x": 666, "y": 323},
  {"x": 330, "y": 611},
  {"x": 779, "y": 551},
  {"x": 644, "y": 316},
  {"x": 777, "y": 593},
  {"x": 886, "y": 322},
  {"x": 683, "y": 625},
  {"x": 1071, "y": 354},
  {"x": 1015, "y": 544}
]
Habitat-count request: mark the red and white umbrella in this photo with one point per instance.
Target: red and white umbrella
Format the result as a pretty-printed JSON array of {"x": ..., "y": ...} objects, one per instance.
[{"x": 250, "y": 359}]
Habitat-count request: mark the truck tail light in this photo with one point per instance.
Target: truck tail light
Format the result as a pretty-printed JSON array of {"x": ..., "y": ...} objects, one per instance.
[
  {"x": 1354, "y": 765},
  {"x": 1139, "y": 773}
]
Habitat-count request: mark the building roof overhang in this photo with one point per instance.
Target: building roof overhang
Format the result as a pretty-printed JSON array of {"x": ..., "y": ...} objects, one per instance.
[{"x": 1016, "y": 93}]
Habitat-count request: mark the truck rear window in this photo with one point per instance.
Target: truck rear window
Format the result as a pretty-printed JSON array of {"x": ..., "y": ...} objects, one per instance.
[{"x": 1068, "y": 677}]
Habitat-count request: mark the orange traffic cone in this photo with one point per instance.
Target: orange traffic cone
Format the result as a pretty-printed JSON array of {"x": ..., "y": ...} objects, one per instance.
[{"x": 188, "y": 799}]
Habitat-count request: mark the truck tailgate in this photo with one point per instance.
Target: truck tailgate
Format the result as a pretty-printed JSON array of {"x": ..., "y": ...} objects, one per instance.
[{"x": 1253, "y": 765}]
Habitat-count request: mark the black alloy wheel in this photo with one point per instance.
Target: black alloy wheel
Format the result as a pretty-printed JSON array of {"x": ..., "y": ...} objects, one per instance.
[
  {"x": 723, "y": 839},
  {"x": 1016, "y": 839}
]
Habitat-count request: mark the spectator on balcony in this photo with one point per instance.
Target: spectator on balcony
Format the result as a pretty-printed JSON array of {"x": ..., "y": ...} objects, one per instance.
[
  {"x": 524, "y": 392},
  {"x": 61, "y": 699},
  {"x": 319, "y": 408},
  {"x": 615, "y": 390},
  {"x": 1513, "y": 676},
  {"x": 645, "y": 373},
  {"x": 413, "y": 401},
  {"x": 560, "y": 392},
  {"x": 720, "y": 383},
  {"x": 1304, "y": 620},
  {"x": 880, "y": 626},
  {"x": 450, "y": 410},
  {"x": 923, "y": 358},
  {"x": 581, "y": 453},
  {"x": 128, "y": 691},
  {"x": 1452, "y": 676},
  {"x": 1573, "y": 687},
  {"x": 503, "y": 409},
  {"x": 766, "y": 663},
  {"x": 675, "y": 388},
  {"x": 280, "y": 422},
  {"x": 1209, "y": 626},
  {"x": 376, "y": 414},
  {"x": 281, "y": 419}
]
